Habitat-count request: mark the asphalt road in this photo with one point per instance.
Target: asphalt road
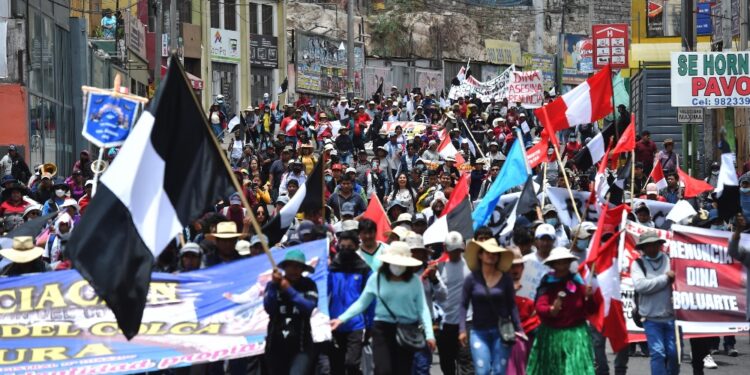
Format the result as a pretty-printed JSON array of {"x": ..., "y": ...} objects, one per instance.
[{"x": 640, "y": 365}]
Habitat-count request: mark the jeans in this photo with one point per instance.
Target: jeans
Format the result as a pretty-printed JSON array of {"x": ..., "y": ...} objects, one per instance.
[
  {"x": 661, "y": 346},
  {"x": 601, "y": 365},
  {"x": 454, "y": 359},
  {"x": 217, "y": 129},
  {"x": 291, "y": 141},
  {"x": 489, "y": 352},
  {"x": 422, "y": 362}
]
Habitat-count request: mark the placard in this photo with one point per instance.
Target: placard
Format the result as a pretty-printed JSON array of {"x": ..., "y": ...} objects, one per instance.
[
  {"x": 109, "y": 119},
  {"x": 526, "y": 88},
  {"x": 710, "y": 79}
]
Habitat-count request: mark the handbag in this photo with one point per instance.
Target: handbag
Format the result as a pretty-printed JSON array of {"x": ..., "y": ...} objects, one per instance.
[
  {"x": 408, "y": 335},
  {"x": 504, "y": 324}
]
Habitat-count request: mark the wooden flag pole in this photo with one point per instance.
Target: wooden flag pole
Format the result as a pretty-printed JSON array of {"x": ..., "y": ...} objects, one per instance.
[
  {"x": 632, "y": 178},
  {"x": 567, "y": 183}
]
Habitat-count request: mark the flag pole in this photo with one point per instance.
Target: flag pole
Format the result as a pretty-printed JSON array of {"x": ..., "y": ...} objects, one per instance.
[
  {"x": 544, "y": 183},
  {"x": 476, "y": 144},
  {"x": 565, "y": 177},
  {"x": 232, "y": 177},
  {"x": 632, "y": 178}
]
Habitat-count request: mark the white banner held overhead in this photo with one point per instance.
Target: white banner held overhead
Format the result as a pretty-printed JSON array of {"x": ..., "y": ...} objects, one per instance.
[
  {"x": 496, "y": 88},
  {"x": 527, "y": 88}
]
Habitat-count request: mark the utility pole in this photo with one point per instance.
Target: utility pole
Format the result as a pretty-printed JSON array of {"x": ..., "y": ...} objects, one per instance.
[
  {"x": 157, "y": 43},
  {"x": 173, "y": 17},
  {"x": 538, "y": 26},
  {"x": 689, "y": 137},
  {"x": 561, "y": 51},
  {"x": 350, "y": 48}
]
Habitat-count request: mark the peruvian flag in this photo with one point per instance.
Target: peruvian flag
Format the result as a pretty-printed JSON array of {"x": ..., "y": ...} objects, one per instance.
[
  {"x": 657, "y": 176},
  {"x": 588, "y": 102},
  {"x": 603, "y": 263},
  {"x": 376, "y": 213},
  {"x": 456, "y": 215},
  {"x": 693, "y": 186},
  {"x": 538, "y": 154},
  {"x": 446, "y": 149}
]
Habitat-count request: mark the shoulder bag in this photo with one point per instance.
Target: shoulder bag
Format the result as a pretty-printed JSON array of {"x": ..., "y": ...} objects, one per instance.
[
  {"x": 504, "y": 324},
  {"x": 408, "y": 335}
]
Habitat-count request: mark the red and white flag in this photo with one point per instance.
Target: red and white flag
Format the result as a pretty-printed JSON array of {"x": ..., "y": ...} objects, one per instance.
[
  {"x": 376, "y": 213},
  {"x": 588, "y": 102},
  {"x": 693, "y": 186},
  {"x": 603, "y": 262},
  {"x": 456, "y": 215},
  {"x": 446, "y": 149},
  {"x": 657, "y": 176}
]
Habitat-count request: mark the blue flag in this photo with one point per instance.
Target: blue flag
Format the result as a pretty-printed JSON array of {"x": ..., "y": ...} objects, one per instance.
[{"x": 514, "y": 173}]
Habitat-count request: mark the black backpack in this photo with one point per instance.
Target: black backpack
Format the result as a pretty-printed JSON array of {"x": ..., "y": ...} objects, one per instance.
[{"x": 637, "y": 318}]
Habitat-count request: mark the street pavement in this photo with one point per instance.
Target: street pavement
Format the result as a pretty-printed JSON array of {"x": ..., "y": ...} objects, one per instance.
[{"x": 640, "y": 365}]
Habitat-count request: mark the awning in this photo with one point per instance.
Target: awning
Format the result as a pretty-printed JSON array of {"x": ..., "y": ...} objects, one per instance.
[{"x": 196, "y": 82}]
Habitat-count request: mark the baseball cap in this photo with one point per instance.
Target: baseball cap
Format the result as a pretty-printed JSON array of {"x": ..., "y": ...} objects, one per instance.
[
  {"x": 651, "y": 188},
  {"x": 419, "y": 217},
  {"x": 351, "y": 170},
  {"x": 337, "y": 166},
  {"x": 305, "y": 227},
  {"x": 454, "y": 241},
  {"x": 347, "y": 209},
  {"x": 283, "y": 199},
  {"x": 258, "y": 239},
  {"x": 190, "y": 247},
  {"x": 242, "y": 247},
  {"x": 545, "y": 230}
]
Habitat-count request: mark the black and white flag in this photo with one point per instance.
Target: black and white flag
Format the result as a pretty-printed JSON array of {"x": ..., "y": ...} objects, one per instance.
[{"x": 168, "y": 173}]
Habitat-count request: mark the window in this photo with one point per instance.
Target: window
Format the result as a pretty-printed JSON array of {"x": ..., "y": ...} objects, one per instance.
[
  {"x": 185, "y": 8},
  {"x": 230, "y": 14},
  {"x": 253, "y": 11},
  {"x": 267, "y": 20},
  {"x": 215, "y": 14}
]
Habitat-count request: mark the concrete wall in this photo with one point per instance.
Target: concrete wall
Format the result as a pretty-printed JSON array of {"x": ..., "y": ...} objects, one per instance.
[{"x": 14, "y": 112}]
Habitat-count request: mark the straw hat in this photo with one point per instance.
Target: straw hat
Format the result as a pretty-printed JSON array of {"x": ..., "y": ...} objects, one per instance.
[
  {"x": 415, "y": 241},
  {"x": 226, "y": 229},
  {"x": 404, "y": 218},
  {"x": 517, "y": 256},
  {"x": 472, "y": 254},
  {"x": 399, "y": 254},
  {"x": 559, "y": 253},
  {"x": 23, "y": 250}
]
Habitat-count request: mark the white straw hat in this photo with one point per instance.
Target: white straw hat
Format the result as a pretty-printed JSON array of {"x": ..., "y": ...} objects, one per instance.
[
  {"x": 472, "y": 254},
  {"x": 559, "y": 253},
  {"x": 22, "y": 251},
  {"x": 399, "y": 254}
]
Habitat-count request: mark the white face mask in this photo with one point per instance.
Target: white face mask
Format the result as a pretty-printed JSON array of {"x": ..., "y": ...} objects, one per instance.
[
  {"x": 59, "y": 193},
  {"x": 396, "y": 270}
]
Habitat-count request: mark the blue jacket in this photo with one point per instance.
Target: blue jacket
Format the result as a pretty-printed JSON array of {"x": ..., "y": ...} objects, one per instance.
[{"x": 347, "y": 278}]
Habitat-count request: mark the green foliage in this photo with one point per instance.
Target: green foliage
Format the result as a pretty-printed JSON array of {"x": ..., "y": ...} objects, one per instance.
[{"x": 389, "y": 36}]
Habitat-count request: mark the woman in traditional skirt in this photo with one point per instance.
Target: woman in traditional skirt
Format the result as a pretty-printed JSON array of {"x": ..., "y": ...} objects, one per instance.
[{"x": 562, "y": 344}]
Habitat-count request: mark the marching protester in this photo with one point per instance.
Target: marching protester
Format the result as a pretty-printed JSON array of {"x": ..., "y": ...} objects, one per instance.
[{"x": 399, "y": 311}]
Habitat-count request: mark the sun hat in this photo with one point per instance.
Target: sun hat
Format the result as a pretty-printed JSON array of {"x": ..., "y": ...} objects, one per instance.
[
  {"x": 404, "y": 218},
  {"x": 348, "y": 225},
  {"x": 545, "y": 230},
  {"x": 225, "y": 229},
  {"x": 647, "y": 238},
  {"x": 454, "y": 241},
  {"x": 415, "y": 241},
  {"x": 296, "y": 256},
  {"x": 191, "y": 247},
  {"x": 398, "y": 253},
  {"x": 32, "y": 207},
  {"x": 258, "y": 239},
  {"x": 517, "y": 256},
  {"x": 22, "y": 250},
  {"x": 559, "y": 253},
  {"x": 472, "y": 254},
  {"x": 399, "y": 231},
  {"x": 243, "y": 248},
  {"x": 584, "y": 230}
]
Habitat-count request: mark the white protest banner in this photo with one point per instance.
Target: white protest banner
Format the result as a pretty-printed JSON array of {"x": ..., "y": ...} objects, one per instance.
[
  {"x": 717, "y": 79},
  {"x": 496, "y": 88},
  {"x": 527, "y": 88}
]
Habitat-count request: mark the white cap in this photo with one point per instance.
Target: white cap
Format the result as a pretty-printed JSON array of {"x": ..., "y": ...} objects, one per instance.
[
  {"x": 350, "y": 169},
  {"x": 243, "y": 247},
  {"x": 454, "y": 241},
  {"x": 190, "y": 247},
  {"x": 545, "y": 230}
]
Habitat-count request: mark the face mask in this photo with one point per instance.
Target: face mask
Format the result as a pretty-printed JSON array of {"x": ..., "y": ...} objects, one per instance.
[
  {"x": 657, "y": 257},
  {"x": 552, "y": 221},
  {"x": 329, "y": 178},
  {"x": 745, "y": 190},
  {"x": 396, "y": 270},
  {"x": 582, "y": 244},
  {"x": 59, "y": 193},
  {"x": 714, "y": 173}
]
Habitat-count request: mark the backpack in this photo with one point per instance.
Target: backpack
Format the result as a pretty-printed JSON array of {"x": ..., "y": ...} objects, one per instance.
[{"x": 637, "y": 318}]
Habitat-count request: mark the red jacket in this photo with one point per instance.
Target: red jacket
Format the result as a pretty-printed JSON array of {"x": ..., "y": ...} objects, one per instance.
[{"x": 575, "y": 306}]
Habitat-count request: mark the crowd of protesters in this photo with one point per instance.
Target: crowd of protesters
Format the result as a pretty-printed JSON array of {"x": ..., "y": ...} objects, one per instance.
[{"x": 394, "y": 303}]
